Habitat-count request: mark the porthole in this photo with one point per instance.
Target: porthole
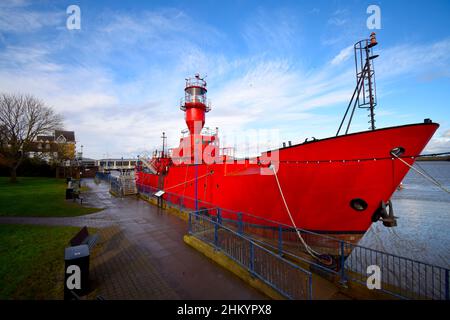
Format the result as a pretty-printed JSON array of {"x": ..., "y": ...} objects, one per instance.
[
  {"x": 398, "y": 151},
  {"x": 358, "y": 204}
]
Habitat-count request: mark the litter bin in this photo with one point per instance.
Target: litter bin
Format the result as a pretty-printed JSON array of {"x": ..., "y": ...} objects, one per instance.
[
  {"x": 69, "y": 193},
  {"x": 76, "y": 276}
]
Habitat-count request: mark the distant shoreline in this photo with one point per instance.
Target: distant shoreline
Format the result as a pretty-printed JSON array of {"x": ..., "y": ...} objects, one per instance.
[{"x": 434, "y": 158}]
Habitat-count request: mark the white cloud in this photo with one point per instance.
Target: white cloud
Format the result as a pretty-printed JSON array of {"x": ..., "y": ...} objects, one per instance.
[
  {"x": 342, "y": 56},
  {"x": 274, "y": 31},
  {"x": 414, "y": 59},
  {"x": 17, "y": 17},
  {"x": 339, "y": 18},
  {"x": 446, "y": 134},
  {"x": 439, "y": 144}
]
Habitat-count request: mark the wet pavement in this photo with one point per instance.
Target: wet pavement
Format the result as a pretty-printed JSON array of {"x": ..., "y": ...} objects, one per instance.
[{"x": 142, "y": 254}]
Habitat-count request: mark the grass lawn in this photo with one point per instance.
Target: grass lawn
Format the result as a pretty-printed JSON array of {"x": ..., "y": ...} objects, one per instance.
[
  {"x": 32, "y": 261},
  {"x": 38, "y": 197}
]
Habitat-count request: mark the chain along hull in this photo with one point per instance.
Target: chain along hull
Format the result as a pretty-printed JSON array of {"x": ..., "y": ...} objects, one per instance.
[{"x": 318, "y": 179}]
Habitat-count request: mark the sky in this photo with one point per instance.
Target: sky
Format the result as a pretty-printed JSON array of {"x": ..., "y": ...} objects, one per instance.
[{"x": 285, "y": 66}]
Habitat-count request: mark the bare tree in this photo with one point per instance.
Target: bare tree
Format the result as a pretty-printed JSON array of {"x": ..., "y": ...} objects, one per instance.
[{"x": 22, "y": 119}]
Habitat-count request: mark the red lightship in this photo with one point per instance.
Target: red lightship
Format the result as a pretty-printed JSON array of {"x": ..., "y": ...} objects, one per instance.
[{"x": 338, "y": 185}]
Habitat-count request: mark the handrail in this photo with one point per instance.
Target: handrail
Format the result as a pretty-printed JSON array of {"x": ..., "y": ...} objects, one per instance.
[
  {"x": 251, "y": 267},
  {"x": 195, "y": 99},
  {"x": 341, "y": 244},
  {"x": 196, "y": 82}
]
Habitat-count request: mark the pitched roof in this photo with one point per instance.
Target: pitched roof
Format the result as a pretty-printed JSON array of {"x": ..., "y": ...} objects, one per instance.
[{"x": 69, "y": 135}]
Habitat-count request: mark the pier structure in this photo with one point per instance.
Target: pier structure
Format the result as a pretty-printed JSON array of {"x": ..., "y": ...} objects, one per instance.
[{"x": 106, "y": 165}]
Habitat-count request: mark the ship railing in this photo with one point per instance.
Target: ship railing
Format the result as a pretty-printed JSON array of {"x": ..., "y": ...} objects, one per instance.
[
  {"x": 102, "y": 176},
  {"x": 287, "y": 278},
  {"x": 206, "y": 131},
  {"x": 195, "y": 82},
  {"x": 116, "y": 184},
  {"x": 195, "y": 98},
  {"x": 227, "y": 151},
  {"x": 401, "y": 277}
]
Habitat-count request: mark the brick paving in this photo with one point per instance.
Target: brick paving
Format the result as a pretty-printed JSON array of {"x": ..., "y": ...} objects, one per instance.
[
  {"x": 122, "y": 270},
  {"x": 142, "y": 255}
]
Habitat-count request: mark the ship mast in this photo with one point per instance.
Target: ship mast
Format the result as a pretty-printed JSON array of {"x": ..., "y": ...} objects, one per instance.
[
  {"x": 364, "y": 95},
  {"x": 163, "y": 137}
]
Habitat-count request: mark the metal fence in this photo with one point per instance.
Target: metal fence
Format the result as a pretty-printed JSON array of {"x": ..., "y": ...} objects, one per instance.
[
  {"x": 114, "y": 183},
  {"x": 401, "y": 277},
  {"x": 119, "y": 185},
  {"x": 290, "y": 280}
]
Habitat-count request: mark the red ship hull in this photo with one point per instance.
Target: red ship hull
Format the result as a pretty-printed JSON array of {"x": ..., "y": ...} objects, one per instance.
[{"x": 318, "y": 179}]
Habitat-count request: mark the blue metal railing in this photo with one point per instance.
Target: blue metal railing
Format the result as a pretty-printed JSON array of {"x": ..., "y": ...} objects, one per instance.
[
  {"x": 114, "y": 183},
  {"x": 290, "y": 280},
  {"x": 401, "y": 277}
]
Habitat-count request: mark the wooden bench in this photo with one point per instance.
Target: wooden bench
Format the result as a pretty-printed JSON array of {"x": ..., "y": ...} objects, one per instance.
[{"x": 83, "y": 237}]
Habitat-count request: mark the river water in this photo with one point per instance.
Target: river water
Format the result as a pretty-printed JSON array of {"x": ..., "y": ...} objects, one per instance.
[{"x": 423, "y": 211}]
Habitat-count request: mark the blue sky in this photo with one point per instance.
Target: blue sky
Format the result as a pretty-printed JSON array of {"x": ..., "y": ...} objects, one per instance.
[{"x": 275, "y": 65}]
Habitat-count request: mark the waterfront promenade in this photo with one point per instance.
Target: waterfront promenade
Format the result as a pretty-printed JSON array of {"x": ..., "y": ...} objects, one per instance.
[{"x": 141, "y": 253}]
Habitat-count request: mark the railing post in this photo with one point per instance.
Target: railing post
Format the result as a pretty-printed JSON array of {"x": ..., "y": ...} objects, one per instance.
[
  {"x": 190, "y": 222},
  {"x": 343, "y": 279},
  {"x": 240, "y": 225},
  {"x": 310, "y": 287},
  {"x": 216, "y": 234},
  {"x": 280, "y": 240},
  {"x": 219, "y": 216},
  {"x": 252, "y": 257},
  {"x": 447, "y": 285}
]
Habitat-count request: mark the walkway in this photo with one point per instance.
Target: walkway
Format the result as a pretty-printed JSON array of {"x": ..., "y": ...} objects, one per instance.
[{"x": 142, "y": 254}]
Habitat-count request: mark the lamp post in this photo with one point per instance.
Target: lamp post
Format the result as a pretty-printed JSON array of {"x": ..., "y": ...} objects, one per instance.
[{"x": 80, "y": 163}]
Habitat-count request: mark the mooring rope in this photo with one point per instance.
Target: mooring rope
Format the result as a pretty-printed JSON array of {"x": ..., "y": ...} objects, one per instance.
[
  {"x": 185, "y": 182},
  {"x": 432, "y": 180},
  {"x": 313, "y": 253},
  {"x": 425, "y": 172},
  {"x": 185, "y": 178}
]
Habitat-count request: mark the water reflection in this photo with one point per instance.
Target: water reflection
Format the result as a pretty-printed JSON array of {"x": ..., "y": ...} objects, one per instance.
[{"x": 424, "y": 219}]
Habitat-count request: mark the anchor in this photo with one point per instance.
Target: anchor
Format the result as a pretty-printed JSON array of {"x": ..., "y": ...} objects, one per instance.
[{"x": 385, "y": 215}]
